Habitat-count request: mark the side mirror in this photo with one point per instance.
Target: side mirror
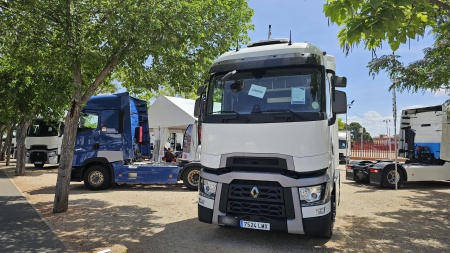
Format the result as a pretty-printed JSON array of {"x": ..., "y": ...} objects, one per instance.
[
  {"x": 340, "y": 81},
  {"x": 197, "y": 107},
  {"x": 200, "y": 90},
  {"x": 340, "y": 103}
]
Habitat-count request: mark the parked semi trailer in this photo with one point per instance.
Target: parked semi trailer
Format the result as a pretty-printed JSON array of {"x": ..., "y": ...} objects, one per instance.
[
  {"x": 270, "y": 139},
  {"x": 425, "y": 142},
  {"x": 112, "y": 141}
]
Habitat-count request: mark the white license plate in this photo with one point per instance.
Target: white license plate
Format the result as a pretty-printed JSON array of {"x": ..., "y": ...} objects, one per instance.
[{"x": 255, "y": 225}]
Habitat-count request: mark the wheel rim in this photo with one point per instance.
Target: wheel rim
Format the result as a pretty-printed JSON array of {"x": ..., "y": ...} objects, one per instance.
[
  {"x": 96, "y": 178},
  {"x": 391, "y": 177},
  {"x": 193, "y": 177}
]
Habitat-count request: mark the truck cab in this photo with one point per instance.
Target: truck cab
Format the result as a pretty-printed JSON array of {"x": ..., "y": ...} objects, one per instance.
[
  {"x": 113, "y": 142},
  {"x": 43, "y": 142},
  {"x": 269, "y": 139}
]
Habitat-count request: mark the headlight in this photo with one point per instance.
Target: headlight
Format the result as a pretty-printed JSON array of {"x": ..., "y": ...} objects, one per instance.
[
  {"x": 52, "y": 154},
  {"x": 311, "y": 194},
  {"x": 207, "y": 188},
  {"x": 27, "y": 154}
]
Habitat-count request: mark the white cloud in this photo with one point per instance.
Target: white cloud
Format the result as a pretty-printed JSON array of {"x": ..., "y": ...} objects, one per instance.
[
  {"x": 441, "y": 92},
  {"x": 372, "y": 121}
]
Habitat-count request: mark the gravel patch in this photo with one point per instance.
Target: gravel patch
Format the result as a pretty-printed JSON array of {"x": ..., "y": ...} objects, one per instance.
[{"x": 142, "y": 218}]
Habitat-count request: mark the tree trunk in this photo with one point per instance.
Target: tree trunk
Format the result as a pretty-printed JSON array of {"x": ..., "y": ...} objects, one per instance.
[
  {"x": 61, "y": 202},
  {"x": 3, "y": 147},
  {"x": 8, "y": 143},
  {"x": 21, "y": 150}
]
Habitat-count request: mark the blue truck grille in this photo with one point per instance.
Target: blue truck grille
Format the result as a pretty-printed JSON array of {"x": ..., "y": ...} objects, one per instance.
[{"x": 265, "y": 201}]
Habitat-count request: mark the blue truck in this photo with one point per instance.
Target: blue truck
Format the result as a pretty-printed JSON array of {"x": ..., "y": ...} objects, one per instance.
[{"x": 112, "y": 143}]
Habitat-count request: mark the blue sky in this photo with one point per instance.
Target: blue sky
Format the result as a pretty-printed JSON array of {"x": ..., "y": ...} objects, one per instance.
[{"x": 373, "y": 101}]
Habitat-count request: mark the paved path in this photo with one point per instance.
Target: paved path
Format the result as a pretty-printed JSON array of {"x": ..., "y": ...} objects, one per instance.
[{"x": 21, "y": 227}]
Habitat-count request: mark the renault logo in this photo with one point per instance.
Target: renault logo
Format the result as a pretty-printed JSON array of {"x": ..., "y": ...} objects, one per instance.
[{"x": 255, "y": 192}]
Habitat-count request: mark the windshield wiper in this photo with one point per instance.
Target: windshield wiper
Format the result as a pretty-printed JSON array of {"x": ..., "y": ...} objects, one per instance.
[
  {"x": 228, "y": 115},
  {"x": 227, "y": 112},
  {"x": 286, "y": 110}
]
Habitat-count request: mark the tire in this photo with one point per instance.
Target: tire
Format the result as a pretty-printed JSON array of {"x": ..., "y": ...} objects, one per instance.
[
  {"x": 191, "y": 176},
  {"x": 329, "y": 233},
  {"x": 97, "y": 178},
  {"x": 388, "y": 180},
  {"x": 38, "y": 165}
]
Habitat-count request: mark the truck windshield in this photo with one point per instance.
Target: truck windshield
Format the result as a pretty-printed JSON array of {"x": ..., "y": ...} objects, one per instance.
[
  {"x": 294, "y": 90},
  {"x": 40, "y": 128},
  {"x": 342, "y": 144}
]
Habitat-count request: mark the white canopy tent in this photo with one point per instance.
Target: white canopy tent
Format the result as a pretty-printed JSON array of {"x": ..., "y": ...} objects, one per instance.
[{"x": 171, "y": 115}]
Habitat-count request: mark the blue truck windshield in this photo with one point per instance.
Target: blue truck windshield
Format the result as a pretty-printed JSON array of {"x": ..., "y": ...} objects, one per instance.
[{"x": 296, "y": 90}]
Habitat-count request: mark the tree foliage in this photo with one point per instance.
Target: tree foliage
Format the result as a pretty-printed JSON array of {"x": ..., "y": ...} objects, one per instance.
[
  {"x": 375, "y": 21},
  {"x": 431, "y": 72},
  {"x": 140, "y": 43},
  {"x": 355, "y": 134},
  {"x": 341, "y": 124}
]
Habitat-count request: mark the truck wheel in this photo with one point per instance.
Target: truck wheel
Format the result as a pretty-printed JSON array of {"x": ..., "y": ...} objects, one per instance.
[
  {"x": 191, "y": 176},
  {"x": 97, "y": 178},
  {"x": 388, "y": 179},
  {"x": 329, "y": 233},
  {"x": 38, "y": 165}
]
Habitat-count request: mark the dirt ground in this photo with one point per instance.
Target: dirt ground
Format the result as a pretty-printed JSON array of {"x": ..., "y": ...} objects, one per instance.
[{"x": 164, "y": 219}]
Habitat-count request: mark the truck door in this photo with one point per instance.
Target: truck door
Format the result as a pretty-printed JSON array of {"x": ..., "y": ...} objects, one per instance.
[
  {"x": 88, "y": 137},
  {"x": 111, "y": 129}
]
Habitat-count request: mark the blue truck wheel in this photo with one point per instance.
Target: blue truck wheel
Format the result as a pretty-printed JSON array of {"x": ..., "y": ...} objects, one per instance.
[
  {"x": 97, "y": 178},
  {"x": 191, "y": 176}
]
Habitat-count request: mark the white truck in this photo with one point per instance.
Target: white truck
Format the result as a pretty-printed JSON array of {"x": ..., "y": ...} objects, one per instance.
[
  {"x": 43, "y": 142},
  {"x": 344, "y": 147},
  {"x": 270, "y": 151},
  {"x": 425, "y": 142}
]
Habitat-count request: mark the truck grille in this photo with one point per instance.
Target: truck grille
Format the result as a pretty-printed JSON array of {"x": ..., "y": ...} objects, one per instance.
[
  {"x": 256, "y": 209},
  {"x": 38, "y": 157},
  {"x": 268, "y": 202},
  {"x": 42, "y": 147}
]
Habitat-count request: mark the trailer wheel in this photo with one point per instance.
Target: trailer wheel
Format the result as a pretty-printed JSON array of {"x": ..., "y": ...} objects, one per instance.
[
  {"x": 388, "y": 179},
  {"x": 39, "y": 165},
  {"x": 97, "y": 178},
  {"x": 191, "y": 176}
]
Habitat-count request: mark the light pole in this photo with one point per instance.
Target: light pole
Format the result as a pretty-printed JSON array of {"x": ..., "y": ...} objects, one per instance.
[
  {"x": 389, "y": 138},
  {"x": 346, "y": 133}
]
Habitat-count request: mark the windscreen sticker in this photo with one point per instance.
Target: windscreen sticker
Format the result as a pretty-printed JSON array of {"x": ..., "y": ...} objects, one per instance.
[
  {"x": 315, "y": 105},
  {"x": 298, "y": 95},
  {"x": 257, "y": 91}
]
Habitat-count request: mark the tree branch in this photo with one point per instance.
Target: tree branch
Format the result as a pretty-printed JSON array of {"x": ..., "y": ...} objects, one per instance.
[
  {"x": 441, "y": 4},
  {"x": 115, "y": 60}
]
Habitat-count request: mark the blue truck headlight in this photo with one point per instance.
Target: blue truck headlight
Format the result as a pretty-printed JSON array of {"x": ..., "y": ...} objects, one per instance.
[
  {"x": 311, "y": 194},
  {"x": 208, "y": 188}
]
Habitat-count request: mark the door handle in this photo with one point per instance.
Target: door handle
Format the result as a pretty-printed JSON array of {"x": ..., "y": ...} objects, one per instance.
[{"x": 96, "y": 146}]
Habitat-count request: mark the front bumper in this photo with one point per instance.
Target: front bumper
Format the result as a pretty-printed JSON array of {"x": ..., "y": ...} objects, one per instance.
[
  {"x": 41, "y": 157},
  {"x": 283, "y": 212}
]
